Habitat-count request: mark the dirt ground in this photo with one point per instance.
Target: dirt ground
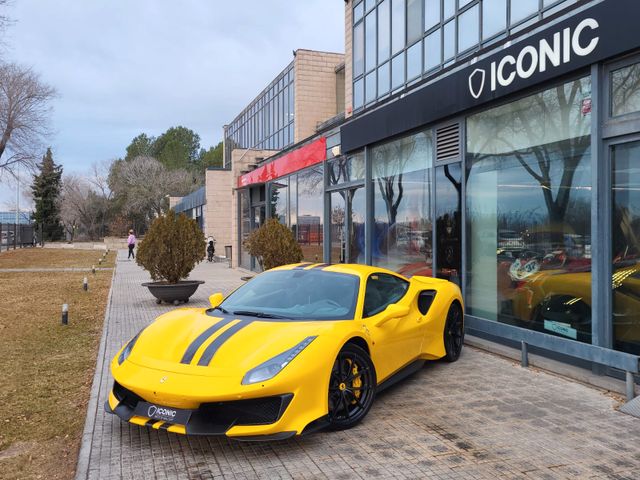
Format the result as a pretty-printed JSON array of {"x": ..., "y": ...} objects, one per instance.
[{"x": 46, "y": 368}]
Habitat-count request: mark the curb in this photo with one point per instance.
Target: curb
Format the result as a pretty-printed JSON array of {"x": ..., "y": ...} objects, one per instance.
[{"x": 86, "y": 445}]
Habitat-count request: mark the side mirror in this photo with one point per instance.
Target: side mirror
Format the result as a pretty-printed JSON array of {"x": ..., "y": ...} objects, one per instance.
[
  {"x": 216, "y": 299},
  {"x": 392, "y": 311}
]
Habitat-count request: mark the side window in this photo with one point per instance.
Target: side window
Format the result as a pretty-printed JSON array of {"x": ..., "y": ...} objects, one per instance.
[{"x": 382, "y": 290}]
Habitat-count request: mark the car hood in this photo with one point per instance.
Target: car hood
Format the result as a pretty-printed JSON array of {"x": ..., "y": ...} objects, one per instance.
[{"x": 194, "y": 342}]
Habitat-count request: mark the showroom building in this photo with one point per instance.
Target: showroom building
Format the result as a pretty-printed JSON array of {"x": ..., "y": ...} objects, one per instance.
[{"x": 494, "y": 143}]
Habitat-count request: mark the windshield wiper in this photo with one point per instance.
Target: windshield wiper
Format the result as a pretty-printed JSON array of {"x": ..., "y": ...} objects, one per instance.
[
  {"x": 223, "y": 310},
  {"x": 249, "y": 313}
]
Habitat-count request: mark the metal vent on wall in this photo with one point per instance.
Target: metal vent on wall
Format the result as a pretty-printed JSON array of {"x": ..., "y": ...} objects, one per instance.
[{"x": 448, "y": 142}]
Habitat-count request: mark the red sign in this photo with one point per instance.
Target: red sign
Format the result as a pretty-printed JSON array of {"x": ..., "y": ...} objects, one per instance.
[{"x": 310, "y": 154}]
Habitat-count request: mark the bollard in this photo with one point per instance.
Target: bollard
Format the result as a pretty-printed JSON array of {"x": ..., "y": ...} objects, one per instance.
[
  {"x": 65, "y": 314},
  {"x": 99, "y": 261},
  {"x": 93, "y": 269},
  {"x": 85, "y": 284},
  {"x": 631, "y": 387},
  {"x": 525, "y": 355}
]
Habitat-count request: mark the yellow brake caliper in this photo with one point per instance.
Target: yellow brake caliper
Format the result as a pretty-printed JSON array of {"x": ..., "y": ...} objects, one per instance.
[{"x": 357, "y": 383}]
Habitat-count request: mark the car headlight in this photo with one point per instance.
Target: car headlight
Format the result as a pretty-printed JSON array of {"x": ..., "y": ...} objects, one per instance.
[
  {"x": 271, "y": 368},
  {"x": 126, "y": 351}
]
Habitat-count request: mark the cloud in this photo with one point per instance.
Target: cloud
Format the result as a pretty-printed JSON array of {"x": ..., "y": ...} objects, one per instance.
[{"x": 123, "y": 67}]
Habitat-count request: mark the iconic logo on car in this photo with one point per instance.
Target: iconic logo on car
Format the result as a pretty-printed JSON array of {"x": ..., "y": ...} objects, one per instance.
[
  {"x": 537, "y": 58},
  {"x": 163, "y": 379},
  {"x": 160, "y": 412},
  {"x": 476, "y": 82}
]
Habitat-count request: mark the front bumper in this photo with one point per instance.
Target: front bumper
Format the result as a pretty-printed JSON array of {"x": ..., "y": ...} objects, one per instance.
[{"x": 214, "y": 418}]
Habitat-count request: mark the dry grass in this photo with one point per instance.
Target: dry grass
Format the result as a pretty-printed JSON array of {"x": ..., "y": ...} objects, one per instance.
[
  {"x": 46, "y": 368},
  {"x": 54, "y": 258}
]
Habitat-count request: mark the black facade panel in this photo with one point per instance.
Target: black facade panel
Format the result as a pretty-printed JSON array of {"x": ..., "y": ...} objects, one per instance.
[{"x": 617, "y": 32}]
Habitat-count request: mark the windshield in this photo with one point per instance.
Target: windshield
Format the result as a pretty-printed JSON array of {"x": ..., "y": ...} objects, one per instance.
[{"x": 297, "y": 294}]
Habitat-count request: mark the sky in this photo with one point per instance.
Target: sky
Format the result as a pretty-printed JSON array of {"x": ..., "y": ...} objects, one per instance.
[{"x": 123, "y": 67}]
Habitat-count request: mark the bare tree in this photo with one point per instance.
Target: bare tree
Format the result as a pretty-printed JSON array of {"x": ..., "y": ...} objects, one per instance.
[
  {"x": 144, "y": 184},
  {"x": 24, "y": 116}
]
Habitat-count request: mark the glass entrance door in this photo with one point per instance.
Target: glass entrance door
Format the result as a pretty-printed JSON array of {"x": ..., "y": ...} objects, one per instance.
[
  {"x": 625, "y": 245},
  {"x": 347, "y": 225}
]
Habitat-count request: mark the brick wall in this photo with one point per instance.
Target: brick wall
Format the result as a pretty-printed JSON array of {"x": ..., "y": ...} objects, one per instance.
[{"x": 315, "y": 90}]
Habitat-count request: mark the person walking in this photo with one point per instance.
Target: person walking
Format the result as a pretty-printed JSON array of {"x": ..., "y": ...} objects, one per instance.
[{"x": 131, "y": 242}]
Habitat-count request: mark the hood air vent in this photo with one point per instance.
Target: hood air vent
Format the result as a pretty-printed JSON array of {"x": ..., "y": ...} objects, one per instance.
[{"x": 448, "y": 142}]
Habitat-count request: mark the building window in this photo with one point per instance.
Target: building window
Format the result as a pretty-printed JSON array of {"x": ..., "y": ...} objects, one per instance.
[
  {"x": 449, "y": 30},
  {"x": 259, "y": 125},
  {"x": 280, "y": 200},
  {"x": 529, "y": 212},
  {"x": 625, "y": 90},
  {"x": 401, "y": 173},
  {"x": 245, "y": 227},
  {"x": 310, "y": 212},
  {"x": 625, "y": 241}
]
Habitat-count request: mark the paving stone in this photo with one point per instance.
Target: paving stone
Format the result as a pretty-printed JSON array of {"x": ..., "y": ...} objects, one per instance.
[{"x": 482, "y": 417}]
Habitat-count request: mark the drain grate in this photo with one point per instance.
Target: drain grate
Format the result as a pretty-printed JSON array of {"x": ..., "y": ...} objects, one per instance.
[{"x": 632, "y": 407}]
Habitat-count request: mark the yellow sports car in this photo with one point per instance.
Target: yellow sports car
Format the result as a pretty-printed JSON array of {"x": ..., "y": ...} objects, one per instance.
[{"x": 295, "y": 349}]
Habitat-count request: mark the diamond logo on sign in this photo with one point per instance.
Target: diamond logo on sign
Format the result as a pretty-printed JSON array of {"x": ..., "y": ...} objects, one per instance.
[{"x": 476, "y": 82}]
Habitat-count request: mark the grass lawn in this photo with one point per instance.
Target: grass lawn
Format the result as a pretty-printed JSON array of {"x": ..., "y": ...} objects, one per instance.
[
  {"x": 46, "y": 368},
  {"x": 54, "y": 258}
]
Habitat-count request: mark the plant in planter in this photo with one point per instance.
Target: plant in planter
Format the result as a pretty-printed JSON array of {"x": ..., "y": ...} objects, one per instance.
[
  {"x": 169, "y": 251},
  {"x": 273, "y": 244}
]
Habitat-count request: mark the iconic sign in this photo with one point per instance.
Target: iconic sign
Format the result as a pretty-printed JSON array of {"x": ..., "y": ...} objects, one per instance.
[
  {"x": 586, "y": 36},
  {"x": 537, "y": 58}
]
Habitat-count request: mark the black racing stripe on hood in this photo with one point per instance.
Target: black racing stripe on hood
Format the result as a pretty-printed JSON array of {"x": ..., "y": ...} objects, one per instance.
[
  {"x": 320, "y": 265},
  {"x": 197, "y": 343},
  {"x": 302, "y": 266},
  {"x": 211, "y": 350}
]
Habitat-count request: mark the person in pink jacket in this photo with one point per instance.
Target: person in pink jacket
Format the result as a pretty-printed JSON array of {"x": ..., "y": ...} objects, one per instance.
[{"x": 131, "y": 242}]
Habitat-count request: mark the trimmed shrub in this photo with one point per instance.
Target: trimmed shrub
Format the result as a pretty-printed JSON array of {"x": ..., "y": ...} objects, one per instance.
[
  {"x": 273, "y": 245},
  {"x": 171, "y": 248}
]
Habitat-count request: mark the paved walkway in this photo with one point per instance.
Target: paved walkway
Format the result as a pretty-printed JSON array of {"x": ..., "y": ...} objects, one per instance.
[{"x": 483, "y": 417}]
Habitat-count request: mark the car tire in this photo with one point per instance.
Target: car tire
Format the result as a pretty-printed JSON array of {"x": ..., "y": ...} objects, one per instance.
[
  {"x": 454, "y": 332},
  {"x": 352, "y": 387}
]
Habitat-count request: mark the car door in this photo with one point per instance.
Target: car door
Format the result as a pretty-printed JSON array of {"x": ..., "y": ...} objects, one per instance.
[{"x": 397, "y": 342}]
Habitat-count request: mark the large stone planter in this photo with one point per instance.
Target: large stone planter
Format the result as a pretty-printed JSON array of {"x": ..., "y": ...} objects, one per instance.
[{"x": 175, "y": 293}]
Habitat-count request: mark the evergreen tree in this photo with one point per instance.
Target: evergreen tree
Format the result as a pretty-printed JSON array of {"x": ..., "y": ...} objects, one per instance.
[{"x": 46, "y": 190}]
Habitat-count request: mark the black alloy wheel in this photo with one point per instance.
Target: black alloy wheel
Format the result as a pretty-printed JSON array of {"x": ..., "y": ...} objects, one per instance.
[
  {"x": 352, "y": 387},
  {"x": 454, "y": 332}
]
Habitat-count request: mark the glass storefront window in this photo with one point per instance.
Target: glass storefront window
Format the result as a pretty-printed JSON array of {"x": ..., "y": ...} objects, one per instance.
[
  {"x": 402, "y": 204},
  {"x": 310, "y": 213},
  {"x": 529, "y": 212},
  {"x": 449, "y": 222},
  {"x": 625, "y": 239},
  {"x": 280, "y": 200},
  {"x": 245, "y": 227},
  {"x": 346, "y": 169},
  {"x": 338, "y": 241},
  {"x": 625, "y": 90}
]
